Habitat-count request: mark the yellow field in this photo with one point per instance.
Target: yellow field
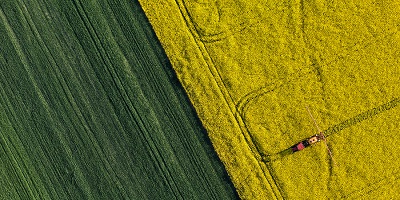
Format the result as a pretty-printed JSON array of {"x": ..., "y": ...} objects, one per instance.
[{"x": 250, "y": 69}]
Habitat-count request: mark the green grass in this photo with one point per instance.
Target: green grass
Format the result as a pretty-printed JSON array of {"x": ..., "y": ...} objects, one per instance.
[{"x": 90, "y": 108}]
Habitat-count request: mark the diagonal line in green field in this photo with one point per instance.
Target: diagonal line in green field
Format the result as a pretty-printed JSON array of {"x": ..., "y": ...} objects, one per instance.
[{"x": 86, "y": 103}]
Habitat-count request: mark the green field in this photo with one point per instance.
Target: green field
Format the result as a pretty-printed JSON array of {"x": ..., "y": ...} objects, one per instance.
[{"x": 90, "y": 108}]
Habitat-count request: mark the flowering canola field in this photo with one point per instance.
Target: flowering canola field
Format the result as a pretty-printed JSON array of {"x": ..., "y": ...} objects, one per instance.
[{"x": 251, "y": 69}]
